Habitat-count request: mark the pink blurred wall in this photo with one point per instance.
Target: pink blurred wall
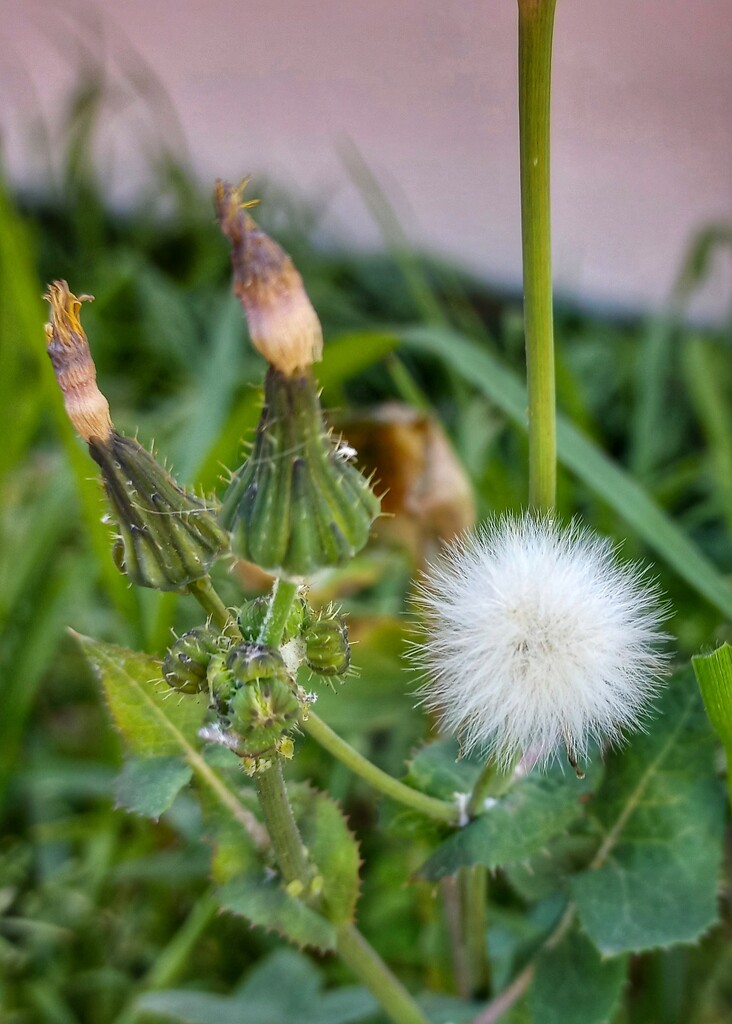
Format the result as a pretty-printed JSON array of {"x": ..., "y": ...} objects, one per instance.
[{"x": 642, "y": 151}]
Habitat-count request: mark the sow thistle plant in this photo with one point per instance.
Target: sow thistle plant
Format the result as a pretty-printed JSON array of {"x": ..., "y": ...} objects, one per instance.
[{"x": 538, "y": 644}]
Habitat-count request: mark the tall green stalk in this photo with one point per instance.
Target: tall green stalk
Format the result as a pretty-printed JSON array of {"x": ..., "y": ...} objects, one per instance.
[{"x": 536, "y": 23}]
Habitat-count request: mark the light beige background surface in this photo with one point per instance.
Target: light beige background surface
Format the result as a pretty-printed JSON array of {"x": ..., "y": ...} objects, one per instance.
[{"x": 426, "y": 89}]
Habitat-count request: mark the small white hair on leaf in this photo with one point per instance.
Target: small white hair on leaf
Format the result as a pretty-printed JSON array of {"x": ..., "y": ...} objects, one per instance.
[{"x": 537, "y": 636}]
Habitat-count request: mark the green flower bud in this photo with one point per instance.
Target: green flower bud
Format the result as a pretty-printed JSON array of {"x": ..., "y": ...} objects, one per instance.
[
  {"x": 169, "y": 538},
  {"x": 297, "y": 504},
  {"x": 251, "y": 662},
  {"x": 185, "y": 666},
  {"x": 327, "y": 650},
  {"x": 261, "y": 712},
  {"x": 221, "y": 683},
  {"x": 253, "y": 614}
]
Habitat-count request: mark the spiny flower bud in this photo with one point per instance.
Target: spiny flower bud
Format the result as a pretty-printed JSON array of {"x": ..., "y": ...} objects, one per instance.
[
  {"x": 260, "y": 712},
  {"x": 283, "y": 325},
  {"x": 167, "y": 537},
  {"x": 297, "y": 504},
  {"x": 251, "y": 662},
  {"x": 185, "y": 666},
  {"x": 327, "y": 649}
]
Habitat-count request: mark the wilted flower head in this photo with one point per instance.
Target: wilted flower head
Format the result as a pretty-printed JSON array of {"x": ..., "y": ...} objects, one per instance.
[{"x": 537, "y": 636}]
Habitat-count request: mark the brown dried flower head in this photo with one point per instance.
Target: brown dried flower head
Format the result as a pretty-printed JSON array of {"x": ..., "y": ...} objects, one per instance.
[
  {"x": 283, "y": 325},
  {"x": 73, "y": 365}
]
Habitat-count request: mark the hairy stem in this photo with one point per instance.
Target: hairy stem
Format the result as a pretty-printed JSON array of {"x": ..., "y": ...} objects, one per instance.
[
  {"x": 283, "y": 594},
  {"x": 380, "y": 780},
  {"x": 209, "y": 600},
  {"x": 284, "y": 834},
  {"x": 536, "y": 22}
]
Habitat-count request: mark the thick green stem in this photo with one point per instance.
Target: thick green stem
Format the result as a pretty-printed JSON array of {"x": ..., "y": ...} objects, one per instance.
[
  {"x": 370, "y": 969},
  {"x": 536, "y": 22},
  {"x": 385, "y": 783},
  {"x": 283, "y": 831},
  {"x": 473, "y": 882},
  {"x": 283, "y": 594},
  {"x": 214, "y": 607}
]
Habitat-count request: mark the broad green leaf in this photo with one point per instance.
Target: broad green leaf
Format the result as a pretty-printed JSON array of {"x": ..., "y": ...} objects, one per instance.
[
  {"x": 157, "y": 722},
  {"x": 653, "y": 881},
  {"x": 574, "y": 985},
  {"x": 520, "y": 823},
  {"x": 285, "y": 987},
  {"x": 149, "y": 785},
  {"x": 438, "y": 769},
  {"x": 584, "y": 458}
]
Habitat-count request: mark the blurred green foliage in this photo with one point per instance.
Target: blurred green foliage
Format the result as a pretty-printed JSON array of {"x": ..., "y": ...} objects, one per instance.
[{"x": 98, "y": 906}]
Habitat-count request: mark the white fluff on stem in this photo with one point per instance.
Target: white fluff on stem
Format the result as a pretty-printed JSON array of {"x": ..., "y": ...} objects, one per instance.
[{"x": 536, "y": 637}]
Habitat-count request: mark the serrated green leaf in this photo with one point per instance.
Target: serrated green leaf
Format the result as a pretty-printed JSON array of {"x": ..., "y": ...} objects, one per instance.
[
  {"x": 259, "y": 896},
  {"x": 149, "y": 785},
  {"x": 154, "y": 726},
  {"x": 331, "y": 848},
  {"x": 574, "y": 985},
  {"x": 152, "y": 718},
  {"x": 534, "y": 810},
  {"x": 334, "y": 850},
  {"x": 653, "y": 881}
]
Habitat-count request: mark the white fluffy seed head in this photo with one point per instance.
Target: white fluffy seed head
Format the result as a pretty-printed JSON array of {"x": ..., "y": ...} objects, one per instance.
[{"x": 536, "y": 637}]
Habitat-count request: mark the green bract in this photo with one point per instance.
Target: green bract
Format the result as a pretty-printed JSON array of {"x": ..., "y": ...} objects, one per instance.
[
  {"x": 297, "y": 504},
  {"x": 168, "y": 538}
]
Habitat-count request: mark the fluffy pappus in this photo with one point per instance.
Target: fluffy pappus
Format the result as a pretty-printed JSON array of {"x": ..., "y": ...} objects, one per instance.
[{"x": 537, "y": 636}]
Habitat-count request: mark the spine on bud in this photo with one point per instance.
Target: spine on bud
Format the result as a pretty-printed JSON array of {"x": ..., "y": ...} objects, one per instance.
[{"x": 297, "y": 504}]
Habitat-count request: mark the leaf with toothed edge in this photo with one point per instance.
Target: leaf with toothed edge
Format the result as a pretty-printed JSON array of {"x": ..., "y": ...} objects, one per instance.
[
  {"x": 662, "y": 812},
  {"x": 519, "y": 824},
  {"x": 155, "y": 725},
  {"x": 256, "y": 892},
  {"x": 151, "y": 717},
  {"x": 333, "y": 848}
]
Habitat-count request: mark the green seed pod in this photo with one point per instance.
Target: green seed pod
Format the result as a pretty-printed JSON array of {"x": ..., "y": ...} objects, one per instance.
[
  {"x": 253, "y": 614},
  {"x": 260, "y": 712},
  {"x": 169, "y": 538},
  {"x": 221, "y": 683},
  {"x": 185, "y": 666},
  {"x": 327, "y": 650},
  {"x": 297, "y": 504},
  {"x": 251, "y": 662}
]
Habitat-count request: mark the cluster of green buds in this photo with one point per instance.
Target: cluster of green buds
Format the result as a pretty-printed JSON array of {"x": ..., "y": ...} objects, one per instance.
[
  {"x": 251, "y": 692},
  {"x": 167, "y": 538},
  {"x": 298, "y": 504}
]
